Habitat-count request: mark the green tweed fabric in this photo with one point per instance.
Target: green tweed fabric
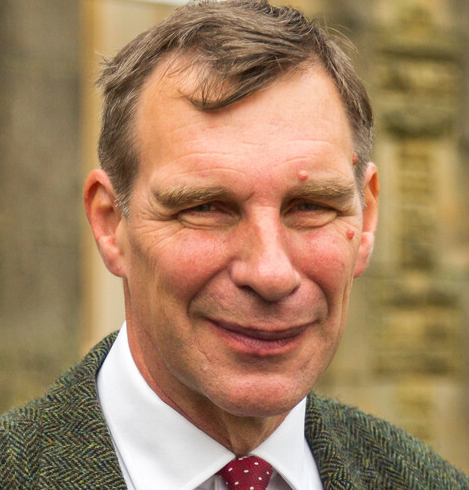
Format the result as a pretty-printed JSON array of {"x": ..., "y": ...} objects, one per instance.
[
  {"x": 61, "y": 442},
  {"x": 356, "y": 451}
]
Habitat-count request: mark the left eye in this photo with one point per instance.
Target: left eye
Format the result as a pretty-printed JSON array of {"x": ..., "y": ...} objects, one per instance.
[
  {"x": 309, "y": 206},
  {"x": 307, "y": 215}
]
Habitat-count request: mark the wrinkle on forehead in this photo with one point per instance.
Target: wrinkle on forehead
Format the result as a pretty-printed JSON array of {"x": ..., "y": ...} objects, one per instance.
[{"x": 272, "y": 132}]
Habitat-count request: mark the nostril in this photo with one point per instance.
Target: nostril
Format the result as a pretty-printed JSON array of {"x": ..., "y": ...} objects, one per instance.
[
  {"x": 269, "y": 285},
  {"x": 266, "y": 296},
  {"x": 249, "y": 290}
]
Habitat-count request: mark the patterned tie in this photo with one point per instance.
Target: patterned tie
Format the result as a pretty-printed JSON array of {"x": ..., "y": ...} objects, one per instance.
[{"x": 249, "y": 473}]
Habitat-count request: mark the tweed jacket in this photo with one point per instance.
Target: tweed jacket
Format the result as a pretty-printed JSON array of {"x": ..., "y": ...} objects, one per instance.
[{"x": 61, "y": 441}]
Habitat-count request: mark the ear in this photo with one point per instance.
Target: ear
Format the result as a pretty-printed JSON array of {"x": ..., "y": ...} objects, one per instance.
[
  {"x": 105, "y": 219},
  {"x": 370, "y": 219}
]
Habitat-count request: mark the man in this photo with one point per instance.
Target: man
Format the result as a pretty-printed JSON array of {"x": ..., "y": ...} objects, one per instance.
[{"x": 237, "y": 202}]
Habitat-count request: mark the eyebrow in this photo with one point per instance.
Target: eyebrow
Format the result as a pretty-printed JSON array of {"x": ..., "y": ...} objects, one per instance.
[
  {"x": 181, "y": 196},
  {"x": 340, "y": 193},
  {"x": 333, "y": 191}
]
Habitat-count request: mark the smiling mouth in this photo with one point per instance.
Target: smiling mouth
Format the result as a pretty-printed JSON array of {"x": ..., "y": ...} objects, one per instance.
[{"x": 260, "y": 340}]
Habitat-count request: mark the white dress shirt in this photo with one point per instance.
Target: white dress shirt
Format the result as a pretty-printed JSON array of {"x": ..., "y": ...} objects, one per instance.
[{"x": 158, "y": 448}]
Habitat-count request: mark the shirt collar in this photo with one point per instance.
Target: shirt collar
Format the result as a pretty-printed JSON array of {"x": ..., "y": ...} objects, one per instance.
[
  {"x": 159, "y": 448},
  {"x": 286, "y": 449}
]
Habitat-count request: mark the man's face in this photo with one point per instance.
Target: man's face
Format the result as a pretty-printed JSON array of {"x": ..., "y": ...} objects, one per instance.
[{"x": 241, "y": 243}]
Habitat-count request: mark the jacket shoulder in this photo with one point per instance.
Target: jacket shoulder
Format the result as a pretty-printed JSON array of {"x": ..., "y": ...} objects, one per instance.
[
  {"x": 376, "y": 452},
  {"x": 47, "y": 429},
  {"x": 19, "y": 447}
]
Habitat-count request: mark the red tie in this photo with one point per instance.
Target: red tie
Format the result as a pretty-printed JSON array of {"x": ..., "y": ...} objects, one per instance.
[{"x": 250, "y": 473}]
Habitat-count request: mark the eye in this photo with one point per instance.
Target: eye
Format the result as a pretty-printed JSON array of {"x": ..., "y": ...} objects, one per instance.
[
  {"x": 309, "y": 206},
  {"x": 308, "y": 214},
  {"x": 207, "y": 215},
  {"x": 203, "y": 208}
]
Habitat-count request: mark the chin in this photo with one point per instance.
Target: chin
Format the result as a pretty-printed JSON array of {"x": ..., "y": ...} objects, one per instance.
[{"x": 258, "y": 402}]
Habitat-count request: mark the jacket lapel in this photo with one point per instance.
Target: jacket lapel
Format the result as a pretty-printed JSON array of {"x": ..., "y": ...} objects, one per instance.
[
  {"x": 77, "y": 451},
  {"x": 335, "y": 468}
]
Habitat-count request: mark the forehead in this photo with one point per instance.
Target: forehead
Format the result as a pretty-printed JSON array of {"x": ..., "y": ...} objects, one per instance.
[{"x": 301, "y": 115}]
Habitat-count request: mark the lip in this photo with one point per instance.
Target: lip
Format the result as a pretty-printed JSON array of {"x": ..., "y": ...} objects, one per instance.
[{"x": 260, "y": 341}]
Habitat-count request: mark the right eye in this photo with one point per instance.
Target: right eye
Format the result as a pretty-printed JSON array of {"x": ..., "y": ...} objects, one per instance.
[
  {"x": 207, "y": 215},
  {"x": 202, "y": 208}
]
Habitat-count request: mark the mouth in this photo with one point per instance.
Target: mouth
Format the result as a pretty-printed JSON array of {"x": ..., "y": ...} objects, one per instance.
[{"x": 260, "y": 341}]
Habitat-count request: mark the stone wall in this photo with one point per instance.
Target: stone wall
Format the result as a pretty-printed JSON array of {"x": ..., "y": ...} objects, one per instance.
[{"x": 40, "y": 187}]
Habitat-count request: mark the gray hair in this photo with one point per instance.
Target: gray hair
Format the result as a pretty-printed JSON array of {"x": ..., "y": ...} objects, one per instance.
[{"x": 238, "y": 47}]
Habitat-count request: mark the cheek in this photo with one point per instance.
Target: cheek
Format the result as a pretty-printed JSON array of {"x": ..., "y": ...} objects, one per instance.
[
  {"x": 182, "y": 266},
  {"x": 328, "y": 260}
]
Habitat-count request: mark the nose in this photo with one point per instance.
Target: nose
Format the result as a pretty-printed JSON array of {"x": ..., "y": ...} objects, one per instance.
[{"x": 264, "y": 264}]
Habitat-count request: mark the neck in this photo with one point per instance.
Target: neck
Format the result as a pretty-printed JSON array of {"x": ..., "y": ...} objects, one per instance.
[{"x": 239, "y": 434}]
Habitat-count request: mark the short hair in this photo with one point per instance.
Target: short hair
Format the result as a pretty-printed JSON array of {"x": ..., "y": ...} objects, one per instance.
[{"x": 238, "y": 48}]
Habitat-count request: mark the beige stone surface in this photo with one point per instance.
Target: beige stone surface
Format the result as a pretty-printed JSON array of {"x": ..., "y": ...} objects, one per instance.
[{"x": 40, "y": 297}]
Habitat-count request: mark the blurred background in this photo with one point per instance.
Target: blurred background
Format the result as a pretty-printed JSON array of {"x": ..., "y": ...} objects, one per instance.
[{"x": 405, "y": 355}]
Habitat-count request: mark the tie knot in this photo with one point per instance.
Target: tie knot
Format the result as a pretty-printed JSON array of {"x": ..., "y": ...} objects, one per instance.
[{"x": 249, "y": 473}]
